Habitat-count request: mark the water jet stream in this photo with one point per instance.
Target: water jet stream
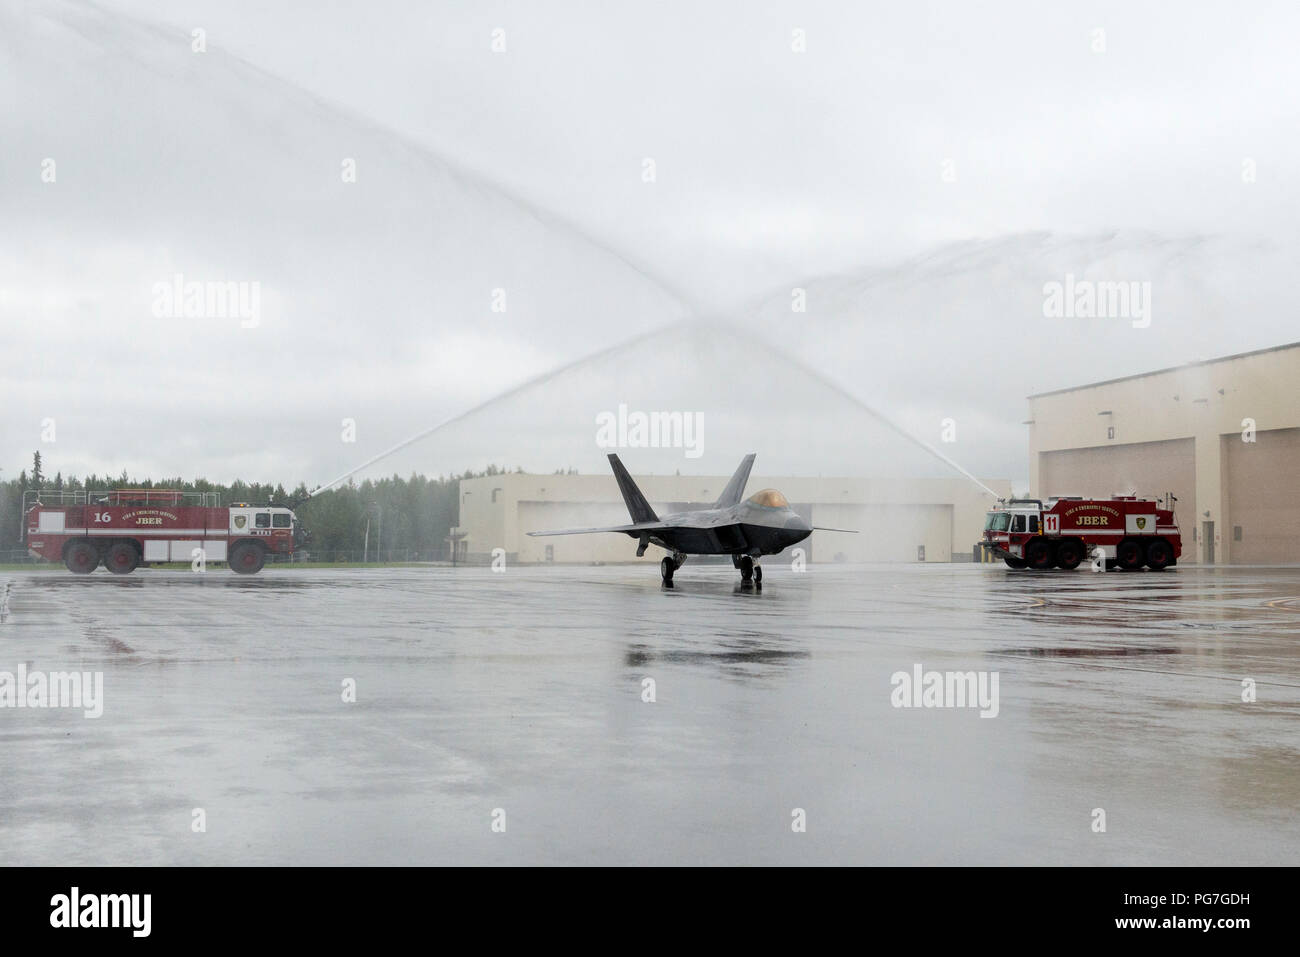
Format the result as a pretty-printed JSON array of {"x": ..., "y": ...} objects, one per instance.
[
  {"x": 834, "y": 386},
  {"x": 711, "y": 325}
]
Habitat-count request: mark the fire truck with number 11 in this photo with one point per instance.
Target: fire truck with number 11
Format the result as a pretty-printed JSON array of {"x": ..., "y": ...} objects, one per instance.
[{"x": 1124, "y": 531}]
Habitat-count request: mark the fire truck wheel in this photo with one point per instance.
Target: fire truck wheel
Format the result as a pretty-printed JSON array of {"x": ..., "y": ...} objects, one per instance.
[
  {"x": 122, "y": 558},
  {"x": 81, "y": 558},
  {"x": 1014, "y": 562},
  {"x": 1159, "y": 554},
  {"x": 1039, "y": 556},
  {"x": 247, "y": 558},
  {"x": 1069, "y": 554},
  {"x": 1129, "y": 555}
]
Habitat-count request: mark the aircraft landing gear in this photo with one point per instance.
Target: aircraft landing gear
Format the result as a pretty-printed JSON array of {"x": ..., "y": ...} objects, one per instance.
[
  {"x": 746, "y": 566},
  {"x": 666, "y": 569},
  {"x": 670, "y": 565}
]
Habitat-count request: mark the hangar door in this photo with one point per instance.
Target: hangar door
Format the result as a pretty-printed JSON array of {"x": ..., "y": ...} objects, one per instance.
[
  {"x": 1263, "y": 520},
  {"x": 887, "y": 533},
  {"x": 578, "y": 549},
  {"x": 1149, "y": 469}
]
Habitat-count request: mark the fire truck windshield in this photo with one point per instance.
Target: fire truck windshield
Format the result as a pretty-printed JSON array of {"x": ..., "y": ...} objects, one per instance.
[{"x": 997, "y": 522}]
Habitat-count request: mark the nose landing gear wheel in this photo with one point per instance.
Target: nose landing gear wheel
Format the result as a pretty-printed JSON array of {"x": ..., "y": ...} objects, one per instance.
[
  {"x": 747, "y": 569},
  {"x": 758, "y": 576},
  {"x": 666, "y": 569}
]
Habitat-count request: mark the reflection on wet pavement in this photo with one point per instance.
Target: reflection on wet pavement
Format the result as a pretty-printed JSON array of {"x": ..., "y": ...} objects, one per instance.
[{"x": 527, "y": 691}]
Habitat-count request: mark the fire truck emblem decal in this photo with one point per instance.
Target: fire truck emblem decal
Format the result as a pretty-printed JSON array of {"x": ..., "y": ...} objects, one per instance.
[
  {"x": 1141, "y": 523},
  {"x": 240, "y": 520}
]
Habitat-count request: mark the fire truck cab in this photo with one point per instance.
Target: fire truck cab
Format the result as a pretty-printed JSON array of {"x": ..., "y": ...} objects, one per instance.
[{"x": 1124, "y": 531}]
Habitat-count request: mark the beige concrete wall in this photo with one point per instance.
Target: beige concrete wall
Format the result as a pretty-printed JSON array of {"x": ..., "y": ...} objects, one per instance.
[
  {"x": 893, "y": 516},
  {"x": 1262, "y": 477},
  {"x": 890, "y": 533},
  {"x": 482, "y": 509},
  {"x": 1209, "y": 403}
]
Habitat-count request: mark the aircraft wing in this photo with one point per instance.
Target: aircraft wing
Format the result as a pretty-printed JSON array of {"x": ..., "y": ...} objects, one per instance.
[{"x": 626, "y": 529}]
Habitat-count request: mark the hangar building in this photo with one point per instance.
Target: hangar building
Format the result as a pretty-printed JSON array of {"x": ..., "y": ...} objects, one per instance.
[{"x": 1223, "y": 435}]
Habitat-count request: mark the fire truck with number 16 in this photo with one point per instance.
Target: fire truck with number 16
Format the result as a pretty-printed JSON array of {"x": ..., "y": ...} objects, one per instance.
[{"x": 125, "y": 528}]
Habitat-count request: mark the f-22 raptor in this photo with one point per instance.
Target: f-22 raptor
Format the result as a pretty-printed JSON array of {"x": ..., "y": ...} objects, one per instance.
[{"x": 763, "y": 524}]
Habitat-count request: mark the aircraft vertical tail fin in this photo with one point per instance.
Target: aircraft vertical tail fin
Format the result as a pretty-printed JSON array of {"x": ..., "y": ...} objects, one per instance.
[
  {"x": 637, "y": 506},
  {"x": 736, "y": 487}
]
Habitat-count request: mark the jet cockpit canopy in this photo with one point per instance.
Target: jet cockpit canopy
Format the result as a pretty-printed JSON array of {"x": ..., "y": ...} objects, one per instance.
[{"x": 769, "y": 498}]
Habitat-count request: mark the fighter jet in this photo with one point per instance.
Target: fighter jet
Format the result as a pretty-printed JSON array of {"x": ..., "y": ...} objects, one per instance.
[{"x": 763, "y": 524}]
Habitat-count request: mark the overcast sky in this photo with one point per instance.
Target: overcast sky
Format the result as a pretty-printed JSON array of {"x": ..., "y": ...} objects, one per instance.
[{"x": 920, "y": 169}]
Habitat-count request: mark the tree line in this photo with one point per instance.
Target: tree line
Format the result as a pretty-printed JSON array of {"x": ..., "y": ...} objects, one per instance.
[{"x": 409, "y": 518}]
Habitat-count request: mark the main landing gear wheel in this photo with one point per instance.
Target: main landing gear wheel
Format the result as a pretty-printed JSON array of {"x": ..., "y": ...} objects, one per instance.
[
  {"x": 246, "y": 559},
  {"x": 747, "y": 569},
  {"x": 666, "y": 569},
  {"x": 81, "y": 558},
  {"x": 122, "y": 559}
]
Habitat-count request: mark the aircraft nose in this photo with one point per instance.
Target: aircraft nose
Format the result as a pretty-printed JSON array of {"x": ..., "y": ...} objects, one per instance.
[{"x": 795, "y": 523}]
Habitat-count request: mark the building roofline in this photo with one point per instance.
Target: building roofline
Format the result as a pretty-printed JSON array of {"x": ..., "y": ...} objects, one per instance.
[{"x": 1188, "y": 365}]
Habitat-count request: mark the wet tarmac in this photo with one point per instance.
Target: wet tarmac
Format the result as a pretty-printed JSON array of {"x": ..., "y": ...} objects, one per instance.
[{"x": 517, "y": 700}]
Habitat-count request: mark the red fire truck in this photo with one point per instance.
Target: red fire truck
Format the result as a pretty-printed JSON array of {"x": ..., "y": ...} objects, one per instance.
[
  {"x": 127, "y": 527},
  {"x": 1125, "y": 531}
]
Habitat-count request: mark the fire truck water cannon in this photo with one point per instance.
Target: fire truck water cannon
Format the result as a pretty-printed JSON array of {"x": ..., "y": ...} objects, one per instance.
[
  {"x": 1124, "y": 531},
  {"x": 124, "y": 528}
]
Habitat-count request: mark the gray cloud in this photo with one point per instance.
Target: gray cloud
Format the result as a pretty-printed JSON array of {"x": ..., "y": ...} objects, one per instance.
[{"x": 522, "y": 171}]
